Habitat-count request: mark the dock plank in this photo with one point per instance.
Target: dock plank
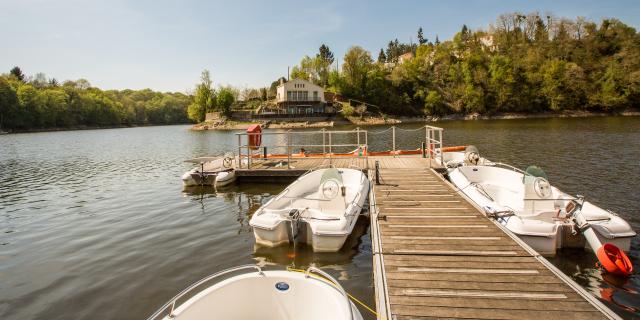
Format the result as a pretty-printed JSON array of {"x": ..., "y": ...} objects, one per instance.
[{"x": 444, "y": 259}]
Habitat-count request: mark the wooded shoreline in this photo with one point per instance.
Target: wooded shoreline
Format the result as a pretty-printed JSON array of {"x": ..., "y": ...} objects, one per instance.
[
  {"x": 376, "y": 121},
  {"x": 81, "y": 128}
]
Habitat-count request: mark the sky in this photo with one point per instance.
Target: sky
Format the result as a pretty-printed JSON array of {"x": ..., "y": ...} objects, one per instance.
[{"x": 165, "y": 45}]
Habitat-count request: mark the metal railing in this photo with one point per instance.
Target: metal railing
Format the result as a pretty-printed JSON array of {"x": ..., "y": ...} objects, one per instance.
[
  {"x": 357, "y": 139},
  {"x": 434, "y": 140},
  {"x": 248, "y": 153}
]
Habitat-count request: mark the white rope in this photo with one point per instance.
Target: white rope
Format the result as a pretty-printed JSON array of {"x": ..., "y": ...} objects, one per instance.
[
  {"x": 379, "y": 132},
  {"x": 421, "y": 128}
]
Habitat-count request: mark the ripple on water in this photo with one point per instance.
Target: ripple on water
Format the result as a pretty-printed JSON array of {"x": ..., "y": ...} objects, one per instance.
[{"x": 96, "y": 225}]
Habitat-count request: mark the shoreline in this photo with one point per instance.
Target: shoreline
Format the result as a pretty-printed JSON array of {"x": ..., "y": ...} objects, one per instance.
[
  {"x": 497, "y": 116},
  {"x": 365, "y": 121},
  {"x": 80, "y": 128},
  {"x": 390, "y": 120}
]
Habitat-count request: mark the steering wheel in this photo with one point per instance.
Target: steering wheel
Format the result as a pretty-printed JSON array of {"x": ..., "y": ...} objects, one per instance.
[
  {"x": 542, "y": 187},
  {"x": 330, "y": 189}
]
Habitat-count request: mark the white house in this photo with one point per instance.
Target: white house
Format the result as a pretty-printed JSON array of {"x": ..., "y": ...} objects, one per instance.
[
  {"x": 300, "y": 96},
  {"x": 299, "y": 90}
]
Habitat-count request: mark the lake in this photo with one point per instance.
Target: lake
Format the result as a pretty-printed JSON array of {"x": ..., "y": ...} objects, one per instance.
[{"x": 96, "y": 224}]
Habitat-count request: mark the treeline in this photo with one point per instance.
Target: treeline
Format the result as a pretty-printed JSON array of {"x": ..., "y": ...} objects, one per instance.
[
  {"x": 39, "y": 103},
  {"x": 522, "y": 63}
]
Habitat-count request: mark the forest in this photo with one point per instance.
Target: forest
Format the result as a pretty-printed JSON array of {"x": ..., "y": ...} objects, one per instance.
[
  {"x": 28, "y": 103},
  {"x": 523, "y": 63},
  {"x": 526, "y": 63}
]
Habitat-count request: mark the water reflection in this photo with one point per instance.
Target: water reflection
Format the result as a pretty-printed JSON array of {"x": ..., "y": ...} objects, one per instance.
[{"x": 302, "y": 256}]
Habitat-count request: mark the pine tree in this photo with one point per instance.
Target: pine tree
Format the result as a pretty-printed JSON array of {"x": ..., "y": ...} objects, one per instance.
[
  {"x": 421, "y": 39},
  {"x": 382, "y": 58},
  {"x": 17, "y": 72},
  {"x": 325, "y": 54}
]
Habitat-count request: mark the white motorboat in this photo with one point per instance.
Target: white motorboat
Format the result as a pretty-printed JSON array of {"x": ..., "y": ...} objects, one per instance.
[
  {"x": 541, "y": 215},
  {"x": 267, "y": 295},
  {"x": 219, "y": 172},
  {"x": 320, "y": 208}
]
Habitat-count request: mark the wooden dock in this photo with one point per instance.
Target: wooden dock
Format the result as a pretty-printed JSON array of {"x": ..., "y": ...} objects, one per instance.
[{"x": 437, "y": 256}]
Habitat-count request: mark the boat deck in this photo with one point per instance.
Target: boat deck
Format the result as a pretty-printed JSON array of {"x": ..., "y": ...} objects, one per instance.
[{"x": 437, "y": 256}]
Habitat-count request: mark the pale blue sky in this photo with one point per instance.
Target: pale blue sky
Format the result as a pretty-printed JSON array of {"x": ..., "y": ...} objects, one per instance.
[{"x": 164, "y": 45}]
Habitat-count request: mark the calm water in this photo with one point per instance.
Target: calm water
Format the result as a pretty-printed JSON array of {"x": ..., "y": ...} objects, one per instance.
[{"x": 96, "y": 224}]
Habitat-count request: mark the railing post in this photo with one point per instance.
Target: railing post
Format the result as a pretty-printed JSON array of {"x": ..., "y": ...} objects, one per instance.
[
  {"x": 289, "y": 149},
  {"x": 248, "y": 155},
  {"x": 358, "y": 133},
  {"x": 366, "y": 146},
  {"x": 330, "y": 151},
  {"x": 240, "y": 151},
  {"x": 324, "y": 148},
  {"x": 377, "y": 172},
  {"x": 429, "y": 143},
  {"x": 441, "y": 146},
  {"x": 424, "y": 151},
  {"x": 393, "y": 135}
]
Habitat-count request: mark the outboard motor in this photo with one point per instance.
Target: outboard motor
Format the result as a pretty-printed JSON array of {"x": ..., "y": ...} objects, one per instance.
[
  {"x": 471, "y": 155},
  {"x": 536, "y": 187}
]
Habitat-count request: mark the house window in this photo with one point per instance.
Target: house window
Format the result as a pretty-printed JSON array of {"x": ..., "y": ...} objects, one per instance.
[
  {"x": 289, "y": 95},
  {"x": 315, "y": 96},
  {"x": 305, "y": 95}
]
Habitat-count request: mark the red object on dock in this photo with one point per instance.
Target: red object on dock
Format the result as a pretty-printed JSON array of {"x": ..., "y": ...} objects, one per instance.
[
  {"x": 255, "y": 136},
  {"x": 614, "y": 260}
]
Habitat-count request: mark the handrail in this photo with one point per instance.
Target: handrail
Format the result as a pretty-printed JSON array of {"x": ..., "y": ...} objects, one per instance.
[
  {"x": 336, "y": 284},
  {"x": 172, "y": 302},
  {"x": 508, "y": 166}
]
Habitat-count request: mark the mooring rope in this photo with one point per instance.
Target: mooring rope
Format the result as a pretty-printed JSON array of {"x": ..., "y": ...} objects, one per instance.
[{"x": 333, "y": 284}]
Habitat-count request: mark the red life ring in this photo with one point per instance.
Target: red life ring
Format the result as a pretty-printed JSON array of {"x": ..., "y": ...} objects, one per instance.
[{"x": 255, "y": 136}]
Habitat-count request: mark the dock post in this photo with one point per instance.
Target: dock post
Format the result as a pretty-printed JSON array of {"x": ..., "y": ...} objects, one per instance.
[
  {"x": 393, "y": 135},
  {"x": 264, "y": 152},
  {"x": 289, "y": 149},
  {"x": 424, "y": 151},
  {"x": 377, "y": 172}
]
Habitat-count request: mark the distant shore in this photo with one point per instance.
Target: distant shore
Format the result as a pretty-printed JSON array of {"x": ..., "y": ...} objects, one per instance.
[
  {"x": 390, "y": 120},
  {"x": 364, "y": 121},
  {"x": 77, "y": 128}
]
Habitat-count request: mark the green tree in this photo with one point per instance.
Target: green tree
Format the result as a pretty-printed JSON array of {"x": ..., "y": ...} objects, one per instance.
[
  {"x": 324, "y": 61},
  {"x": 421, "y": 39},
  {"x": 204, "y": 99},
  {"x": 17, "y": 72},
  {"x": 225, "y": 100},
  {"x": 382, "y": 58},
  {"x": 357, "y": 63}
]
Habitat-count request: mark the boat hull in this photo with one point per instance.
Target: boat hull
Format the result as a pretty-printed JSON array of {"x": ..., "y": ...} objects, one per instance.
[
  {"x": 282, "y": 234},
  {"x": 538, "y": 223},
  {"x": 301, "y": 214}
]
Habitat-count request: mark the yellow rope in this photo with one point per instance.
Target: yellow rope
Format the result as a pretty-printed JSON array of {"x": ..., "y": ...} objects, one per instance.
[{"x": 350, "y": 296}]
